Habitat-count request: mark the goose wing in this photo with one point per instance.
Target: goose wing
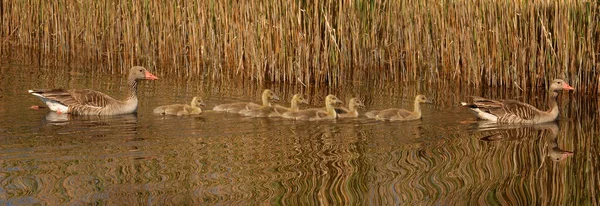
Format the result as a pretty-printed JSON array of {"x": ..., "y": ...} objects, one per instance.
[
  {"x": 281, "y": 109},
  {"x": 522, "y": 110},
  {"x": 511, "y": 108},
  {"x": 484, "y": 103},
  {"x": 393, "y": 113},
  {"x": 502, "y": 108},
  {"x": 321, "y": 114},
  {"x": 252, "y": 106},
  {"x": 85, "y": 97}
]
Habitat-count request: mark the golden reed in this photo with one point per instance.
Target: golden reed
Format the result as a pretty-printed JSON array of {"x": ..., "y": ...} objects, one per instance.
[{"x": 496, "y": 43}]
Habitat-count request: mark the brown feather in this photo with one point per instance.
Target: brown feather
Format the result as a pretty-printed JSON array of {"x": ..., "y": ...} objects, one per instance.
[
  {"x": 507, "y": 110},
  {"x": 90, "y": 102}
]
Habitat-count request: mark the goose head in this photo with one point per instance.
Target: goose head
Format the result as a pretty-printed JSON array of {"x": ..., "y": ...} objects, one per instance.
[
  {"x": 197, "y": 101},
  {"x": 332, "y": 100},
  {"x": 270, "y": 95},
  {"x": 422, "y": 99},
  {"x": 298, "y": 98},
  {"x": 140, "y": 73},
  {"x": 557, "y": 154},
  {"x": 559, "y": 84},
  {"x": 356, "y": 103}
]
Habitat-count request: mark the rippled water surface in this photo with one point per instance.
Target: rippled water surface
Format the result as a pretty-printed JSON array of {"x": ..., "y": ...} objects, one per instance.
[{"x": 446, "y": 158}]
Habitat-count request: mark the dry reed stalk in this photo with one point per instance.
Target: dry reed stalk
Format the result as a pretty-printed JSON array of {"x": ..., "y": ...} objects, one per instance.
[{"x": 519, "y": 44}]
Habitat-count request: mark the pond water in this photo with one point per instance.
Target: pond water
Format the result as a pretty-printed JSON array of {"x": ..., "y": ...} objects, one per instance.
[{"x": 446, "y": 158}]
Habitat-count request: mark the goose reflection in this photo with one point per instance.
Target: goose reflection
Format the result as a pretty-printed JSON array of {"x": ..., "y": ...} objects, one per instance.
[
  {"x": 122, "y": 124},
  {"x": 512, "y": 132},
  {"x": 554, "y": 152}
]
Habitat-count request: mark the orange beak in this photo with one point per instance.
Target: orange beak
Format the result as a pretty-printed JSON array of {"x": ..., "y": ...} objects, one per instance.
[
  {"x": 567, "y": 154},
  {"x": 568, "y": 87},
  {"x": 150, "y": 76}
]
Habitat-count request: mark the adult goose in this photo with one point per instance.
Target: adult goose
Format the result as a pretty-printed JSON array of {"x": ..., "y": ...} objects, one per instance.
[
  {"x": 316, "y": 113},
  {"x": 515, "y": 112},
  {"x": 267, "y": 97},
  {"x": 181, "y": 109},
  {"x": 395, "y": 114},
  {"x": 90, "y": 102},
  {"x": 351, "y": 111}
]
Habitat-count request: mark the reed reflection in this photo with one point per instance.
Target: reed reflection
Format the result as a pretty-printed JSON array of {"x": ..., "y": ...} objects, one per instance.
[{"x": 220, "y": 158}]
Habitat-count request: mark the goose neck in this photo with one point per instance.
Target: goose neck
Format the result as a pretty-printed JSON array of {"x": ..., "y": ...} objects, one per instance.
[
  {"x": 265, "y": 100},
  {"x": 294, "y": 107},
  {"x": 133, "y": 84},
  {"x": 417, "y": 107}
]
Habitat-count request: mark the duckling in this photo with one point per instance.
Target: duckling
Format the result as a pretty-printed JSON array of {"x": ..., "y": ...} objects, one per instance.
[
  {"x": 294, "y": 107},
  {"x": 351, "y": 111},
  {"x": 267, "y": 96},
  {"x": 275, "y": 111},
  {"x": 181, "y": 109},
  {"x": 394, "y": 114},
  {"x": 316, "y": 113}
]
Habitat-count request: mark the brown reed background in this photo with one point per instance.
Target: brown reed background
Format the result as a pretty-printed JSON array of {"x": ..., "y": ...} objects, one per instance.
[{"x": 477, "y": 43}]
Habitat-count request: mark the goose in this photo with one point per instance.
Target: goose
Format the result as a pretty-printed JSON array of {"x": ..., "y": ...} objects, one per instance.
[
  {"x": 316, "y": 113},
  {"x": 297, "y": 99},
  {"x": 267, "y": 97},
  {"x": 515, "y": 112},
  {"x": 351, "y": 111},
  {"x": 394, "y": 114},
  {"x": 181, "y": 109},
  {"x": 90, "y": 102},
  {"x": 277, "y": 110}
]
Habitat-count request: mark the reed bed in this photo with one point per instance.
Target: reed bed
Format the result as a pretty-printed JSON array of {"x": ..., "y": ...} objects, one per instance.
[{"x": 521, "y": 44}]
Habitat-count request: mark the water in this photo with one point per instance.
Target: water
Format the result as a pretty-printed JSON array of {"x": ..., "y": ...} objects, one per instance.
[{"x": 446, "y": 158}]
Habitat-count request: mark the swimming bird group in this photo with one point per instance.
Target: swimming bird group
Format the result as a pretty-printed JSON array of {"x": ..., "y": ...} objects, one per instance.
[{"x": 90, "y": 102}]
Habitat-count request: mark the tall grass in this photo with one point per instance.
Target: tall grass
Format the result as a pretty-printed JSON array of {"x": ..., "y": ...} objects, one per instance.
[{"x": 515, "y": 43}]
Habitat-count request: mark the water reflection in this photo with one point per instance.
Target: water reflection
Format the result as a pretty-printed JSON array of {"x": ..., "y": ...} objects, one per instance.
[
  {"x": 218, "y": 158},
  {"x": 96, "y": 126},
  {"x": 555, "y": 152},
  {"x": 548, "y": 131}
]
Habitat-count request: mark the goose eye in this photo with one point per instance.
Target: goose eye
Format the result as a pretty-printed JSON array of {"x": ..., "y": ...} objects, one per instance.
[{"x": 140, "y": 70}]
